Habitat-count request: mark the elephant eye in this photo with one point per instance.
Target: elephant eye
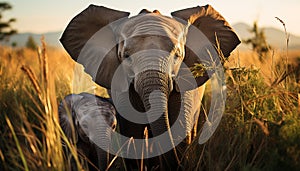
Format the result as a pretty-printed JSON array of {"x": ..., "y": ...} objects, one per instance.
[
  {"x": 177, "y": 55},
  {"x": 84, "y": 125},
  {"x": 113, "y": 127},
  {"x": 126, "y": 55}
]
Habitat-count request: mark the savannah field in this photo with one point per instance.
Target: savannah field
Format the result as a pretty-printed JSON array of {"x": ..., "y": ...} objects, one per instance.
[{"x": 259, "y": 130}]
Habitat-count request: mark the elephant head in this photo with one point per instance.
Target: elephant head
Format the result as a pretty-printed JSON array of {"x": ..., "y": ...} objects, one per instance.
[
  {"x": 148, "y": 55},
  {"x": 88, "y": 122}
]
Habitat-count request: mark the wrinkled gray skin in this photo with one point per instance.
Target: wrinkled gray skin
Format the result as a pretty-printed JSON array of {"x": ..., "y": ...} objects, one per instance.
[
  {"x": 88, "y": 121},
  {"x": 155, "y": 53}
]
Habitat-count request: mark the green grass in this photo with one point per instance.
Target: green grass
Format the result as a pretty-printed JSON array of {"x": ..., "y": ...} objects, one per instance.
[{"x": 260, "y": 129}]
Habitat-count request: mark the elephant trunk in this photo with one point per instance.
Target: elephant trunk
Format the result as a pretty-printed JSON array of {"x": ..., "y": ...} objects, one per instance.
[
  {"x": 150, "y": 81},
  {"x": 102, "y": 142},
  {"x": 154, "y": 88}
]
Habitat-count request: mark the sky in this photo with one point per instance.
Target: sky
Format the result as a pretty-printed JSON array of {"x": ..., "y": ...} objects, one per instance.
[{"x": 41, "y": 16}]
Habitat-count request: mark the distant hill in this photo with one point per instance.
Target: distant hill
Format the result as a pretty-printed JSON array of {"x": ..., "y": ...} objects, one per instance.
[
  {"x": 51, "y": 38},
  {"x": 275, "y": 37}
]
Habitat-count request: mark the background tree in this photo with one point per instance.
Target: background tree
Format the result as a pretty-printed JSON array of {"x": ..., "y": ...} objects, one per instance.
[
  {"x": 5, "y": 26},
  {"x": 31, "y": 43},
  {"x": 14, "y": 44},
  {"x": 258, "y": 41}
]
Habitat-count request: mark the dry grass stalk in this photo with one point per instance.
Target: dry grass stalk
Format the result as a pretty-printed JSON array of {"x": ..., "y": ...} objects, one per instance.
[
  {"x": 17, "y": 144},
  {"x": 117, "y": 154},
  {"x": 144, "y": 148},
  {"x": 263, "y": 126},
  {"x": 299, "y": 102},
  {"x": 46, "y": 92},
  {"x": 287, "y": 37},
  {"x": 32, "y": 77}
]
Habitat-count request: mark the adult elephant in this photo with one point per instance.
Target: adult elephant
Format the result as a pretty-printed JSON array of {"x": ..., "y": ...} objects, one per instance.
[
  {"x": 88, "y": 121},
  {"x": 146, "y": 60}
]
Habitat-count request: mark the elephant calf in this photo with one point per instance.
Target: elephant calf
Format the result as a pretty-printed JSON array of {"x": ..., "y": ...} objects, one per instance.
[{"x": 88, "y": 121}]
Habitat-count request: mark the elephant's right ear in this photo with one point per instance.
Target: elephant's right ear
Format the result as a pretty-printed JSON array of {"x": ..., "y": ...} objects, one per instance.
[
  {"x": 77, "y": 38},
  {"x": 208, "y": 33},
  {"x": 213, "y": 25}
]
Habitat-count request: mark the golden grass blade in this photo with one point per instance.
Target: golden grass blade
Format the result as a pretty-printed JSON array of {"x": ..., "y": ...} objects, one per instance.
[
  {"x": 17, "y": 143},
  {"x": 117, "y": 153},
  {"x": 28, "y": 71}
]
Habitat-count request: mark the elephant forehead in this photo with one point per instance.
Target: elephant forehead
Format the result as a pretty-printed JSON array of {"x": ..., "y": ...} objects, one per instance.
[
  {"x": 92, "y": 107},
  {"x": 93, "y": 113},
  {"x": 153, "y": 24}
]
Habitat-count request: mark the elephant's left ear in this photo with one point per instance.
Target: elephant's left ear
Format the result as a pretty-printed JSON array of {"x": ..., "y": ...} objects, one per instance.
[
  {"x": 205, "y": 24},
  {"x": 83, "y": 26},
  {"x": 90, "y": 40}
]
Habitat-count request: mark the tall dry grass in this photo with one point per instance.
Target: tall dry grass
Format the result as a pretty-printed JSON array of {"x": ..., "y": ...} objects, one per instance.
[
  {"x": 32, "y": 84},
  {"x": 260, "y": 128}
]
